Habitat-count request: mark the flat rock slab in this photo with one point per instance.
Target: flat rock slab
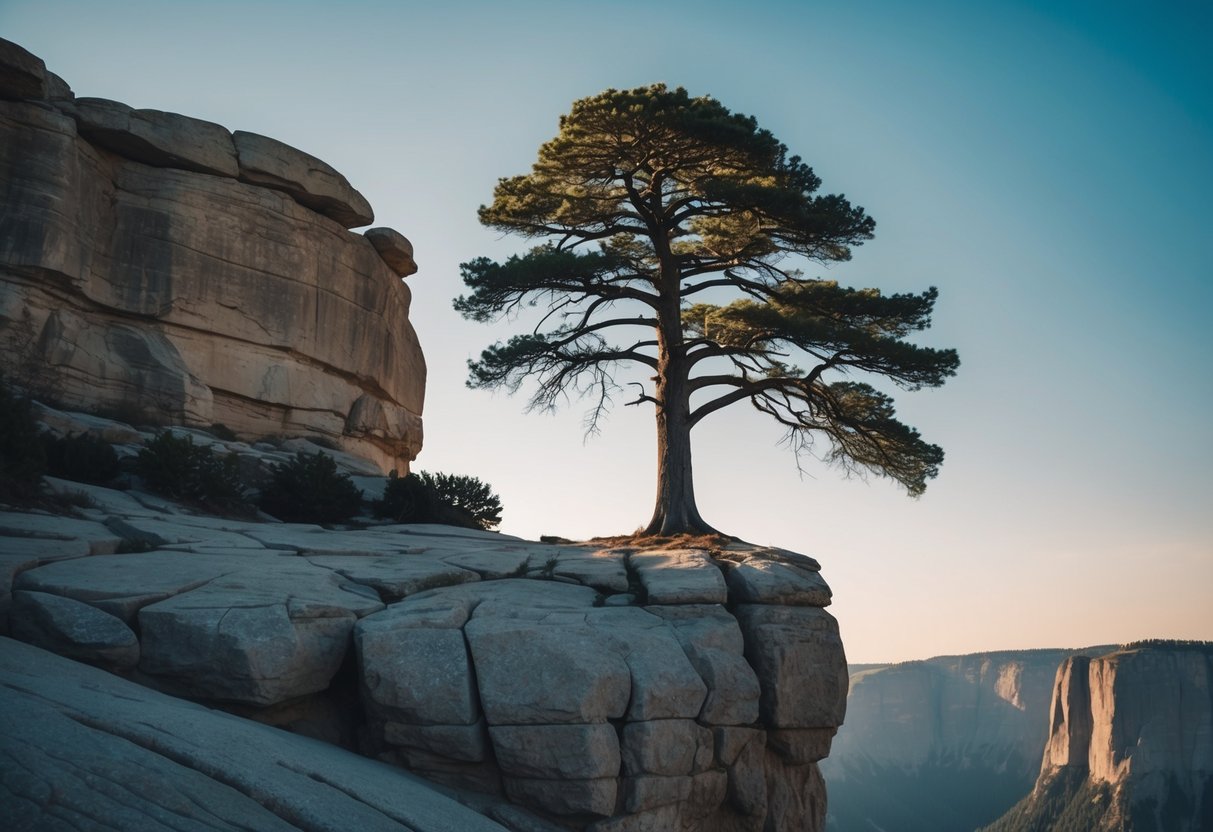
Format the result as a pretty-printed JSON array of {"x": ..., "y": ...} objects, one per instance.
[
  {"x": 680, "y": 577},
  {"x": 313, "y": 540},
  {"x": 19, "y": 531},
  {"x": 156, "y": 138},
  {"x": 74, "y": 629},
  {"x": 122, "y": 584},
  {"x": 309, "y": 181},
  {"x": 769, "y": 578},
  {"x": 602, "y": 569},
  {"x": 398, "y": 576},
  {"x": 84, "y": 749}
]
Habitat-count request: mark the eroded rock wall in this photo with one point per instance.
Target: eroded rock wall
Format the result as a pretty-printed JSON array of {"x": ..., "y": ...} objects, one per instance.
[
  {"x": 1130, "y": 745},
  {"x": 155, "y": 265},
  {"x": 943, "y": 744}
]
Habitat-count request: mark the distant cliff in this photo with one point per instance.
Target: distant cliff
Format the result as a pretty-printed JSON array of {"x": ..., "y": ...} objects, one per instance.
[
  {"x": 941, "y": 745},
  {"x": 163, "y": 267},
  {"x": 1130, "y": 745}
]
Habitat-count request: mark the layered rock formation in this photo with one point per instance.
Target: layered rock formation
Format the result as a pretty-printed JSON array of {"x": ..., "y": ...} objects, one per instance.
[
  {"x": 574, "y": 686},
  {"x": 1130, "y": 744},
  {"x": 946, "y": 744},
  {"x": 160, "y": 265}
]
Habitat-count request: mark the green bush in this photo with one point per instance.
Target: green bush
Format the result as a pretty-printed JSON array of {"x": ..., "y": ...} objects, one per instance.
[
  {"x": 309, "y": 489},
  {"x": 80, "y": 457},
  {"x": 449, "y": 499},
  {"x": 175, "y": 467},
  {"x": 22, "y": 460}
]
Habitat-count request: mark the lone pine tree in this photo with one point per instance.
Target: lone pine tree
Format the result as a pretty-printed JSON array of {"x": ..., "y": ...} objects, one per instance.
[{"x": 649, "y": 202}]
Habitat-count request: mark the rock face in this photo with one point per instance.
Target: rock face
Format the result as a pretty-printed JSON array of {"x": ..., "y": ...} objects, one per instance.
[
  {"x": 573, "y": 686},
  {"x": 82, "y": 749},
  {"x": 1130, "y": 744},
  {"x": 944, "y": 745},
  {"x": 164, "y": 267}
]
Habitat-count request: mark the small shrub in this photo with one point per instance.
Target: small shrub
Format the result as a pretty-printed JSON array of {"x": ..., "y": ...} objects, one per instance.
[
  {"x": 449, "y": 499},
  {"x": 310, "y": 489},
  {"x": 222, "y": 431},
  {"x": 80, "y": 457},
  {"x": 175, "y": 467},
  {"x": 467, "y": 495},
  {"x": 22, "y": 459}
]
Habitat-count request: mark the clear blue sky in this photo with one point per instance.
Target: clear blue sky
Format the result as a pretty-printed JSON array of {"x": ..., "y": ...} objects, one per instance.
[{"x": 1047, "y": 165}]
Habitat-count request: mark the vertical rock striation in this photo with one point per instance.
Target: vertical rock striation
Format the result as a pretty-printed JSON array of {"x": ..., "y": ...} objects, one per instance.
[
  {"x": 160, "y": 266},
  {"x": 941, "y": 745},
  {"x": 1130, "y": 744}
]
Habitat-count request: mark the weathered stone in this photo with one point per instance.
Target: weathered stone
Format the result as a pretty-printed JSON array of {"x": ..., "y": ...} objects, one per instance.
[
  {"x": 156, "y": 138},
  {"x": 557, "y": 752},
  {"x": 394, "y": 248},
  {"x": 648, "y": 792},
  {"x": 602, "y": 569},
  {"x": 272, "y": 164},
  {"x": 664, "y": 683},
  {"x": 709, "y": 789},
  {"x": 19, "y": 532},
  {"x": 762, "y": 578},
  {"x": 395, "y": 577},
  {"x": 467, "y": 743},
  {"x": 711, "y": 639},
  {"x": 73, "y": 629},
  {"x": 796, "y": 794},
  {"x": 667, "y": 747},
  {"x": 417, "y": 676},
  {"x": 679, "y": 577},
  {"x": 747, "y": 791},
  {"x": 85, "y": 749},
  {"x": 257, "y": 655},
  {"x": 801, "y": 745},
  {"x": 565, "y": 797},
  {"x": 123, "y": 584},
  {"x": 798, "y": 657},
  {"x": 250, "y": 310},
  {"x": 57, "y": 89},
  {"x": 22, "y": 74},
  {"x": 531, "y": 674}
]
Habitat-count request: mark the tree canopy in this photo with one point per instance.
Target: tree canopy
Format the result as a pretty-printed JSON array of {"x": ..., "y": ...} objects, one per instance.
[{"x": 650, "y": 205}]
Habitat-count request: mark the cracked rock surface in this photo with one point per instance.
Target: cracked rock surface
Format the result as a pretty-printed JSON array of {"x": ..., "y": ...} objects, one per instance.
[{"x": 592, "y": 686}]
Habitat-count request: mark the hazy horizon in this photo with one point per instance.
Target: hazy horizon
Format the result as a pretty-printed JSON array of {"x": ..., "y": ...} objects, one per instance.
[{"x": 1046, "y": 165}]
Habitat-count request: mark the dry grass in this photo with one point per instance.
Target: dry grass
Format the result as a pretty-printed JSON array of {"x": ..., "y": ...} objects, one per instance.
[{"x": 652, "y": 542}]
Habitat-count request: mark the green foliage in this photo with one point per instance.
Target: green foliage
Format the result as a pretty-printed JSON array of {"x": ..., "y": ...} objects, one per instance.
[
  {"x": 22, "y": 459},
  {"x": 648, "y": 198},
  {"x": 310, "y": 489},
  {"x": 80, "y": 458},
  {"x": 177, "y": 468},
  {"x": 449, "y": 499}
]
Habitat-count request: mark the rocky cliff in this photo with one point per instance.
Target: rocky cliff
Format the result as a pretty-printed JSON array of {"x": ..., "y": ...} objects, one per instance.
[
  {"x": 163, "y": 266},
  {"x": 608, "y": 687},
  {"x": 948, "y": 743},
  {"x": 1130, "y": 744}
]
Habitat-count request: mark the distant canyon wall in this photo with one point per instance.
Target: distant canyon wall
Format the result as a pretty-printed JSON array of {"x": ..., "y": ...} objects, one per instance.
[
  {"x": 945, "y": 744},
  {"x": 162, "y": 267},
  {"x": 1130, "y": 746}
]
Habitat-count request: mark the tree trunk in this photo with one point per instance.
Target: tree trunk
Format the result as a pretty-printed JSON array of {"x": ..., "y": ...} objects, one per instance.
[{"x": 675, "y": 512}]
